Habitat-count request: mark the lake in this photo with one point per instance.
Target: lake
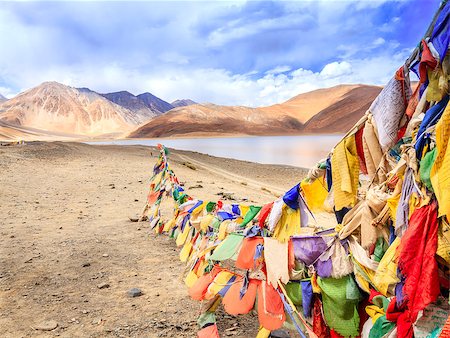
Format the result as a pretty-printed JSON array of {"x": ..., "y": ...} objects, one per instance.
[{"x": 301, "y": 151}]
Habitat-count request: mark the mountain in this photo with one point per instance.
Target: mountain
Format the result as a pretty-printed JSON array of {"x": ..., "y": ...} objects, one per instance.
[
  {"x": 133, "y": 103},
  {"x": 304, "y": 106},
  {"x": 13, "y": 132},
  {"x": 343, "y": 114},
  {"x": 54, "y": 108},
  {"x": 155, "y": 103},
  {"x": 183, "y": 103},
  {"x": 2, "y": 98},
  {"x": 329, "y": 110}
]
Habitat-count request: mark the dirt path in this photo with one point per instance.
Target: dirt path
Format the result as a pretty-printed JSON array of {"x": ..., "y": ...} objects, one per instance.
[
  {"x": 233, "y": 177},
  {"x": 64, "y": 233}
]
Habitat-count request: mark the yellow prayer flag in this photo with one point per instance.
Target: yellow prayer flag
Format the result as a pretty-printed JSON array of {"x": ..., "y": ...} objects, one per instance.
[
  {"x": 345, "y": 173},
  {"x": 440, "y": 171},
  {"x": 314, "y": 193}
]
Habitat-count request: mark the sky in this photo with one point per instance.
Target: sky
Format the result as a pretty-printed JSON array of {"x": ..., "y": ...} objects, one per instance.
[{"x": 227, "y": 52}]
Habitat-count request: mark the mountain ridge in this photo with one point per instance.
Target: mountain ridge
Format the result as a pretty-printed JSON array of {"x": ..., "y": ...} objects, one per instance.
[
  {"x": 129, "y": 101},
  {"x": 154, "y": 102},
  {"x": 290, "y": 117},
  {"x": 183, "y": 103},
  {"x": 65, "y": 112},
  {"x": 55, "y": 107}
]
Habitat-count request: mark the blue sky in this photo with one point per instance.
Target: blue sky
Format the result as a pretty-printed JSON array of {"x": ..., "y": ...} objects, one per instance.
[{"x": 226, "y": 52}]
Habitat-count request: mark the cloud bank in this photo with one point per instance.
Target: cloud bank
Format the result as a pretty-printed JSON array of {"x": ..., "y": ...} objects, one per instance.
[{"x": 245, "y": 53}]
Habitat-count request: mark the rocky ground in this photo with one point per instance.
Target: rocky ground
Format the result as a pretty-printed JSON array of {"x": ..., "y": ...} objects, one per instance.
[{"x": 69, "y": 254}]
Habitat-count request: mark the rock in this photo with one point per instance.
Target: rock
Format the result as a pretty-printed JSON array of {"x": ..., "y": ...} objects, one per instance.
[
  {"x": 279, "y": 334},
  {"x": 134, "y": 218},
  {"x": 46, "y": 325},
  {"x": 85, "y": 265},
  {"x": 85, "y": 312},
  {"x": 97, "y": 321},
  {"x": 226, "y": 195},
  {"x": 103, "y": 285},
  {"x": 134, "y": 292},
  {"x": 189, "y": 165},
  {"x": 105, "y": 255}
]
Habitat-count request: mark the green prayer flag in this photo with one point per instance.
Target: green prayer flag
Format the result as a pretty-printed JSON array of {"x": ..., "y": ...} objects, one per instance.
[
  {"x": 294, "y": 292},
  {"x": 228, "y": 248},
  {"x": 340, "y": 299},
  {"x": 251, "y": 213},
  {"x": 210, "y": 206},
  {"x": 425, "y": 168}
]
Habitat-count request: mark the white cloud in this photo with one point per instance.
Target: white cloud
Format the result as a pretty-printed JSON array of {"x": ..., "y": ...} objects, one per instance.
[
  {"x": 279, "y": 69},
  {"x": 221, "y": 86},
  {"x": 336, "y": 69},
  {"x": 173, "y": 57},
  {"x": 235, "y": 29},
  {"x": 378, "y": 42},
  {"x": 7, "y": 92},
  {"x": 168, "y": 50}
]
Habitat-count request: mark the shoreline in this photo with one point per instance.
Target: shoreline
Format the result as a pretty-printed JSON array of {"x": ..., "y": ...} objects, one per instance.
[{"x": 79, "y": 138}]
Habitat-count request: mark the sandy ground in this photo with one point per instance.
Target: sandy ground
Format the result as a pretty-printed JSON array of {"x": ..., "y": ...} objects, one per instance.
[{"x": 64, "y": 230}]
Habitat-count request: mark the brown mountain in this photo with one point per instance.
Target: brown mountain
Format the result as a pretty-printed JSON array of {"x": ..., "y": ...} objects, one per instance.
[
  {"x": 344, "y": 113},
  {"x": 329, "y": 110},
  {"x": 54, "y": 108},
  {"x": 14, "y": 132}
]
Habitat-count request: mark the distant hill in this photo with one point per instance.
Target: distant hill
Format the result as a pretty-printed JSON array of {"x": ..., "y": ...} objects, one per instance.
[
  {"x": 133, "y": 103},
  {"x": 2, "y": 98},
  {"x": 329, "y": 110},
  {"x": 183, "y": 103},
  {"x": 343, "y": 114},
  {"x": 55, "y": 108},
  {"x": 155, "y": 103}
]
